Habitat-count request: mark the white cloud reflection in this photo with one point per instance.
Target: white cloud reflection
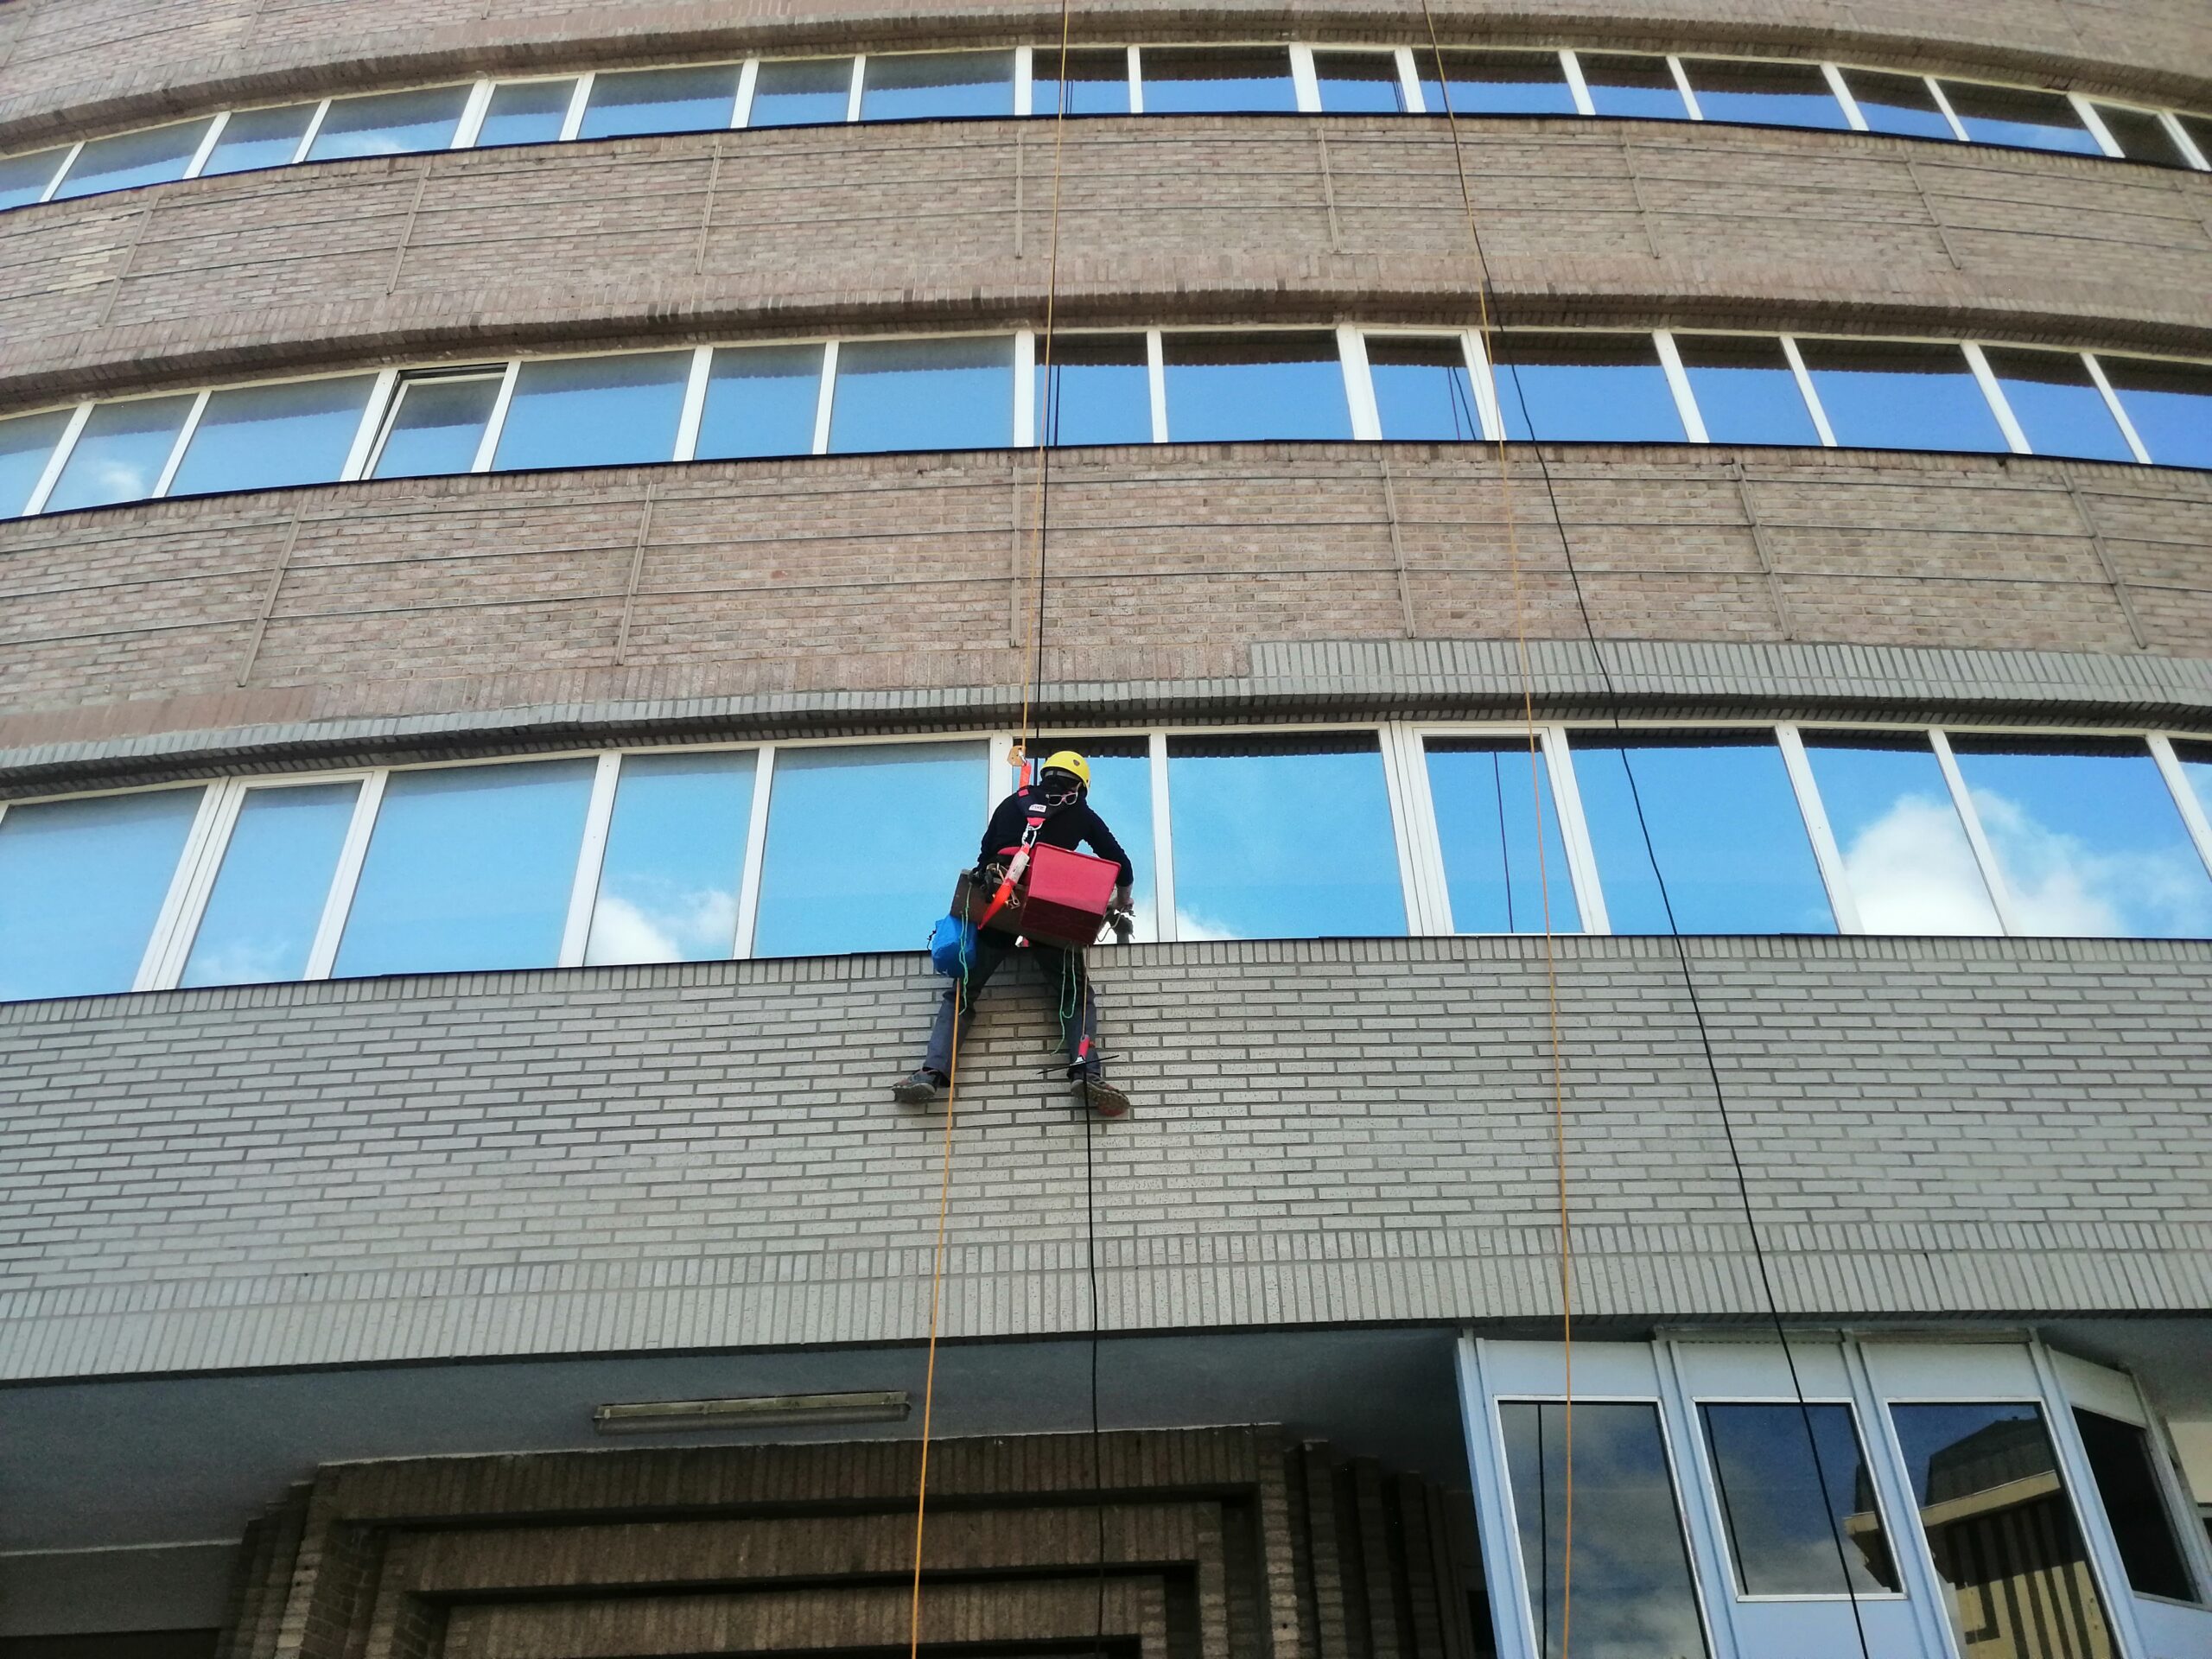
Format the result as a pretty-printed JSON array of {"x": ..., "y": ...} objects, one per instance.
[
  {"x": 1912, "y": 871},
  {"x": 668, "y": 927},
  {"x": 2062, "y": 886}
]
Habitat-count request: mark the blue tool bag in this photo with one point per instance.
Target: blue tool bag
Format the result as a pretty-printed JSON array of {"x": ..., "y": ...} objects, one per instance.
[{"x": 952, "y": 946}]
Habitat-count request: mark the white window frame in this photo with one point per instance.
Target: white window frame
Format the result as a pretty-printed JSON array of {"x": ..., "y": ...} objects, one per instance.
[
  {"x": 1854, "y": 116},
  {"x": 35, "y": 503},
  {"x": 1682, "y": 86},
  {"x": 62, "y": 172},
  {"x": 472, "y": 110},
  {"x": 1409, "y": 81},
  {"x": 2015, "y": 439},
  {"x": 2192, "y": 152},
  {"x": 1566, "y": 816},
  {"x": 572, "y": 123},
  {"x": 1943, "y": 102},
  {"x": 2117, "y": 409},
  {"x": 1578, "y": 87},
  {"x": 1808, "y": 391},
  {"x": 208, "y": 140},
  {"x": 487, "y": 447},
  {"x": 1305, "y": 80},
  {"x": 740, "y": 111},
  {"x": 2193, "y": 816},
  {"x": 1678, "y": 382},
  {"x": 694, "y": 411},
  {"x": 392, "y": 393},
  {"x": 309, "y": 133}
]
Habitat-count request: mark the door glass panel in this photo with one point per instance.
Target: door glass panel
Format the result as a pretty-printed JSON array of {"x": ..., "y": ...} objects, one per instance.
[
  {"x": 1745, "y": 390},
  {"x": 24, "y": 179},
  {"x": 257, "y": 138},
  {"x": 26, "y": 445},
  {"x": 675, "y": 856},
  {"x": 438, "y": 426},
  {"x": 525, "y": 112},
  {"x": 2170, "y": 405},
  {"x": 760, "y": 401},
  {"x": 120, "y": 453},
  {"x": 1995, "y": 1514},
  {"x": 273, "y": 437},
  {"x": 801, "y": 92},
  {"x": 595, "y": 411},
  {"x": 2141, "y": 136},
  {"x": 1640, "y": 88},
  {"x": 81, "y": 885},
  {"x": 660, "y": 100},
  {"x": 1633, "y": 1598},
  {"x": 1100, "y": 391},
  {"x": 1898, "y": 103},
  {"x": 2127, "y": 1485},
  {"x": 922, "y": 394},
  {"x": 2018, "y": 115},
  {"x": 1359, "y": 83},
  {"x": 1121, "y": 793},
  {"x": 1763, "y": 94},
  {"x": 937, "y": 86},
  {"x": 268, "y": 900},
  {"x": 1422, "y": 389},
  {"x": 2057, "y": 404},
  {"x": 1198, "y": 80},
  {"x": 1486, "y": 814},
  {"x": 1223, "y": 388},
  {"x": 1097, "y": 81},
  {"x": 1906, "y": 854},
  {"x": 1495, "y": 82},
  {"x": 389, "y": 124},
  {"x": 1798, "y": 1502},
  {"x": 157, "y": 156},
  {"x": 1900, "y": 395},
  {"x": 1585, "y": 388}
]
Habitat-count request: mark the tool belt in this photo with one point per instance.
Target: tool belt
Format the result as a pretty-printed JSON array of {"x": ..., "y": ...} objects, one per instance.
[{"x": 972, "y": 894}]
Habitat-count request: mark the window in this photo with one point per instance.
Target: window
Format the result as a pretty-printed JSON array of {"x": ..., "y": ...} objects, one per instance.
[
  {"x": 389, "y": 124},
  {"x": 1099, "y": 390},
  {"x": 436, "y": 424},
  {"x": 2168, "y": 404},
  {"x": 2141, "y": 136},
  {"x": 2087, "y": 837},
  {"x": 1744, "y": 390},
  {"x": 2127, "y": 1484},
  {"x": 1898, "y": 103},
  {"x": 1896, "y": 395},
  {"x": 1591, "y": 388},
  {"x": 1724, "y": 825},
  {"x": 1639, "y": 88},
  {"x": 660, "y": 100},
  {"x": 801, "y": 92},
  {"x": 1097, "y": 81},
  {"x": 269, "y": 437},
  {"x": 1121, "y": 793},
  {"x": 2057, "y": 404},
  {"x": 863, "y": 843},
  {"x": 155, "y": 156},
  {"x": 24, "y": 179},
  {"x": 26, "y": 445},
  {"x": 2199, "y": 128},
  {"x": 1359, "y": 83},
  {"x": 1486, "y": 793},
  {"x": 82, "y": 883},
  {"x": 1422, "y": 388},
  {"x": 120, "y": 453},
  {"x": 1906, "y": 858},
  {"x": 1223, "y": 388},
  {"x": 1763, "y": 94},
  {"x": 525, "y": 112},
  {"x": 1282, "y": 838},
  {"x": 1630, "y": 1557},
  {"x": 937, "y": 86},
  {"x": 922, "y": 394},
  {"x": 1796, "y": 1500},
  {"x": 2001, "y": 1533},
  {"x": 595, "y": 411},
  {"x": 257, "y": 138},
  {"x": 1495, "y": 82},
  {"x": 2016, "y": 116},
  {"x": 760, "y": 401},
  {"x": 469, "y": 868},
  {"x": 2196, "y": 768},
  {"x": 267, "y": 903},
  {"x": 1199, "y": 80},
  {"x": 675, "y": 855}
]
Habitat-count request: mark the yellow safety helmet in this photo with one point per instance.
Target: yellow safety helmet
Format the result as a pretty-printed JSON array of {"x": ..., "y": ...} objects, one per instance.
[{"x": 1067, "y": 760}]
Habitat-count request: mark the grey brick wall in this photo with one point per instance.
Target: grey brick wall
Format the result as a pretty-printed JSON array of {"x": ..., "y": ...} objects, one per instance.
[{"x": 641, "y": 1159}]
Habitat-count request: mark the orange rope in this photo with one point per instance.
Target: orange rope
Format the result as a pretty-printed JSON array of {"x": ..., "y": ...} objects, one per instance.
[{"x": 937, "y": 1290}]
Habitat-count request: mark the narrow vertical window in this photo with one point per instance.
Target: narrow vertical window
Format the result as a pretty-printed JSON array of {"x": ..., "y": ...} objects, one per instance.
[
  {"x": 1585, "y": 388},
  {"x": 660, "y": 100},
  {"x": 1763, "y": 94},
  {"x": 2019, "y": 117},
  {"x": 1096, "y": 81},
  {"x": 922, "y": 394},
  {"x": 259, "y": 138},
  {"x": 2170, "y": 405},
  {"x": 1224, "y": 388},
  {"x": 1356, "y": 83},
  {"x": 525, "y": 112},
  {"x": 595, "y": 411},
  {"x": 26, "y": 445},
  {"x": 2141, "y": 136},
  {"x": 82, "y": 883},
  {"x": 1745, "y": 390},
  {"x": 1906, "y": 858},
  {"x": 1637, "y": 87},
  {"x": 1898, "y": 103},
  {"x": 1494, "y": 83},
  {"x": 120, "y": 453},
  {"x": 1489, "y": 796},
  {"x": 24, "y": 179},
  {"x": 937, "y": 86},
  {"x": 1884, "y": 394},
  {"x": 1422, "y": 389},
  {"x": 154, "y": 155},
  {"x": 389, "y": 124},
  {"x": 760, "y": 401},
  {"x": 1096, "y": 389},
  {"x": 1204, "y": 80},
  {"x": 436, "y": 423},
  {"x": 1797, "y": 1500},
  {"x": 268, "y": 896},
  {"x": 2057, "y": 404},
  {"x": 2120, "y": 1467},
  {"x": 801, "y": 92},
  {"x": 674, "y": 853},
  {"x": 273, "y": 437}
]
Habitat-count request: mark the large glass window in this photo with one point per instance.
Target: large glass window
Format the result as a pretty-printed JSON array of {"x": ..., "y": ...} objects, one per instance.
[
  {"x": 2057, "y": 404},
  {"x": 1096, "y": 81},
  {"x": 1763, "y": 94},
  {"x": 269, "y": 437},
  {"x": 1198, "y": 79},
  {"x": 24, "y": 179},
  {"x": 1906, "y": 858},
  {"x": 1594, "y": 388},
  {"x": 760, "y": 401},
  {"x": 863, "y": 843},
  {"x": 2196, "y": 769},
  {"x": 2087, "y": 837},
  {"x": 155, "y": 156},
  {"x": 469, "y": 868},
  {"x": 1283, "y": 838},
  {"x": 256, "y": 138},
  {"x": 120, "y": 453},
  {"x": 1489, "y": 798},
  {"x": 922, "y": 394},
  {"x": 389, "y": 124},
  {"x": 594, "y": 411},
  {"x": 696, "y": 99},
  {"x": 801, "y": 92},
  {"x": 2127, "y": 1484},
  {"x": 525, "y": 112},
  {"x": 1121, "y": 793},
  {"x": 1744, "y": 390},
  {"x": 1097, "y": 390},
  {"x": 26, "y": 445},
  {"x": 675, "y": 856},
  {"x": 1897, "y": 395},
  {"x": 1637, "y": 87},
  {"x": 1353, "y": 83},
  {"x": 2168, "y": 404},
  {"x": 1634, "y": 1597},
  {"x": 2018, "y": 116},
  {"x": 437, "y": 424},
  {"x": 2141, "y": 136},
  {"x": 81, "y": 885},
  {"x": 1422, "y": 389},
  {"x": 937, "y": 86},
  {"x": 1723, "y": 823},
  {"x": 1223, "y": 388},
  {"x": 1494, "y": 83},
  {"x": 261, "y": 917},
  {"x": 1797, "y": 1500},
  {"x": 1994, "y": 1511},
  {"x": 1898, "y": 103}
]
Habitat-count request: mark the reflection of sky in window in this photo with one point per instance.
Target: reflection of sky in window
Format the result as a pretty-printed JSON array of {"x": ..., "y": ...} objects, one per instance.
[
  {"x": 525, "y": 112},
  {"x": 863, "y": 843},
  {"x": 267, "y": 898},
  {"x": 1906, "y": 854},
  {"x": 1100, "y": 391},
  {"x": 1195, "y": 80},
  {"x": 155, "y": 157},
  {"x": 1121, "y": 793},
  {"x": 1763, "y": 94},
  {"x": 1895, "y": 395},
  {"x": 675, "y": 855},
  {"x": 1282, "y": 838},
  {"x": 81, "y": 885},
  {"x": 2120, "y": 1467},
  {"x": 252, "y": 138},
  {"x": 469, "y": 868},
  {"x": 438, "y": 426},
  {"x": 2170, "y": 405},
  {"x": 1585, "y": 388},
  {"x": 760, "y": 401},
  {"x": 1744, "y": 390},
  {"x": 1422, "y": 389},
  {"x": 801, "y": 91},
  {"x": 2087, "y": 837},
  {"x": 2057, "y": 404},
  {"x": 1359, "y": 83},
  {"x": 937, "y": 86},
  {"x": 2141, "y": 136},
  {"x": 1637, "y": 87},
  {"x": 1486, "y": 820},
  {"x": 389, "y": 124},
  {"x": 1099, "y": 79},
  {"x": 594, "y": 411},
  {"x": 1495, "y": 82},
  {"x": 1223, "y": 388},
  {"x": 2197, "y": 766},
  {"x": 1784, "y": 1538},
  {"x": 2015, "y": 115},
  {"x": 268, "y": 437},
  {"x": 1633, "y": 1598},
  {"x": 120, "y": 453},
  {"x": 1898, "y": 103},
  {"x": 26, "y": 445},
  {"x": 24, "y": 179},
  {"x": 660, "y": 100},
  {"x": 922, "y": 394},
  {"x": 1724, "y": 823}
]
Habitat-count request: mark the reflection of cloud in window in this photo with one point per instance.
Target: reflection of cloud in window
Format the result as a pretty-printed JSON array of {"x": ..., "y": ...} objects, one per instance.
[
  {"x": 2062, "y": 886},
  {"x": 119, "y": 480},
  {"x": 679, "y": 927},
  {"x": 1190, "y": 925},
  {"x": 1911, "y": 871},
  {"x": 244, "y": 962}
]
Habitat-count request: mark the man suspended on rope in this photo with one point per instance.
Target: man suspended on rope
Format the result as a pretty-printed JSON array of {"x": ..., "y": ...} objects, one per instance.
[{"x": 1060, "y": 795}]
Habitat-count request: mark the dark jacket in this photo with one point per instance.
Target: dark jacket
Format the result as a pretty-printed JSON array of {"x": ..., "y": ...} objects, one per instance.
[{"x": 1067, "y": 827}]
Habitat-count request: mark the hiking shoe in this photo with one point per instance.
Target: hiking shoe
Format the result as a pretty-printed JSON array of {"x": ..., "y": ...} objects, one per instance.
[
  {"x": 919, "y": 1089},
  {"x": 1100, "y": 1096}
]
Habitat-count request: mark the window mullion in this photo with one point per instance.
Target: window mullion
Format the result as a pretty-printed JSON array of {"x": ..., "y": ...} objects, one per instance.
[
  {"x": 1826, "y": 854},
  {"x": 1163, "y": 842},
  {"x": 208, "y": 140},
  {"x": 756, "y": 850},
  {"x": 1306, "y": 81},
  {"x": 314, "y": 132},
  {"x": 163, "y": 961},
  {"x": 1943, "y": 102},
  {"x": 472, "y": 116},
  {"x": 1136, "y": 83},
  {"x": 1682, "y": 86},
  {"x": 1413, "y": 884},
  {"x": 1360, "y": 384},
  {"x": 1026, "y": 435},
  {"x": 2190, "y": 151},
  {"x": 748, "y": 79},
  {"x": 695, "y": 403},
  {"x": 489, "y": 445},
  {"x": 2192, "y": 810},
  {"x": 825, "y": 399},
  {"x": 1024, "y": 81},
  {"x": 1806, "y": 390},
  {"x": 1984, "y": 854},
  {"x": 583, "y": 891},
  {"x": 1891, "y": 1480},
  {"x": 1429, "y": 898},
  {"x": 1574, "y": 831},
  {"x": 183, "y": 441},
  {"x": 358, "y": 455},
  {"x": 1999, "y": 405},
  {"x": 1409, "y": 81},
  {"x": 62, "y": 171},
  {"x": 322, "y": 954},
  {"x": 2108, "y": 1573},
  {"x": 1482, "y": 374},
  {"x": 1155, "y": 360},
  {"x": 1678, "y": 382},
  {"x": 51, "y": 475},
  {"x": 2117, "y": 409},
  {"x": 852, "y": 93},
  {"x": 1576, "y": 85},
  {"x": 572, "y": 122},
  {"x": 1852, "y": 113},
  {"x": 2095, "y": 123}
]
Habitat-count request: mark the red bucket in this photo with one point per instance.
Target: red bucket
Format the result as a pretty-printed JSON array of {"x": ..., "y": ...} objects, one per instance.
[{"x": 1067, "y": 897}]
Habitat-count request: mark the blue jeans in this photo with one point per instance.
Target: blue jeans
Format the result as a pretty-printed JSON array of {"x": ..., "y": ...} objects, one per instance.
[{"x": 1064, "y": 977}]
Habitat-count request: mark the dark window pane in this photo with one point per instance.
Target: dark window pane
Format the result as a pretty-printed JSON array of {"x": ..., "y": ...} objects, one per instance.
[
  {"x": 1359, "y": 82},
  {"x": 1099, "y": 390},
  {"x": 1590, "y": 388},
  {"x": 26, "y": 445},
  {"x": 155, "y": 156},
  {"x": 1222, "y": 388},
  {"x": 438, "y": 425},
  {"x": 1898, "y": 103},
  {"x": 81, "y": 884},
  {"x": 2141, "y": 136},
  {"x": 271, "y": 437},
  {"x": 1799, "y": 1507},
  {"x": 2197, "y": 766},
  {"x": 760, "y": 401},
  {"x": 1905, "y": 853},
  {"x": 922, "y": 394},
  {"x": 1744, "y": 390},
  {"x": 595, "y": 411},
  {"x": 24, "y": 179},
  {"x": 1282, "y": 838},
  {"x": 1097, "y": 81},
  {"x": 661, "y": 100},
  {"x": 2057, "y": 404},
  {"x": 268, "y": 896},
  {"x": 1640, "y": 88},
  {"x": 1121, "y": 793},
  {"x": 254, "y": 138},
  {"x": 1187, "y": 80},
  {"x": 1893, "y": 395},
  {"x": 1994, "y": 1512},
  {"x": 2015, "y": 115},
  {"x": 2168, "y": 404},
  {"x": 1486, "y": 816},
  {"x": 389, "y": 124},
  {"x": 937, "y": 85},
  {"x": 525, "y": 112},
  {"x": 2199, "y": 128},
  {"x": 2119, "y": 1464},
  {"x": 1422, "y": 389},
  {"x": 1494, "y": 83},
  {"x": 120, "y": 453},
  {"x": 675, "y": 855},
  {"x": 1725, "y": 826},
  {"x": 801, "y": 92},
  {"x": 1633, "y": 1598},
  {"x": 1763, "y": 94}
]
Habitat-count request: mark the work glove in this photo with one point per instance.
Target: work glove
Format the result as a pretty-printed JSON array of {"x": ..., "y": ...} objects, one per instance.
[{"x": 1121, "y": 916}]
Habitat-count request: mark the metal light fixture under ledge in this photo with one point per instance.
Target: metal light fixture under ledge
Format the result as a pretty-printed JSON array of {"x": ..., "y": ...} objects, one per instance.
[{"x": 754, "y": 1411}]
